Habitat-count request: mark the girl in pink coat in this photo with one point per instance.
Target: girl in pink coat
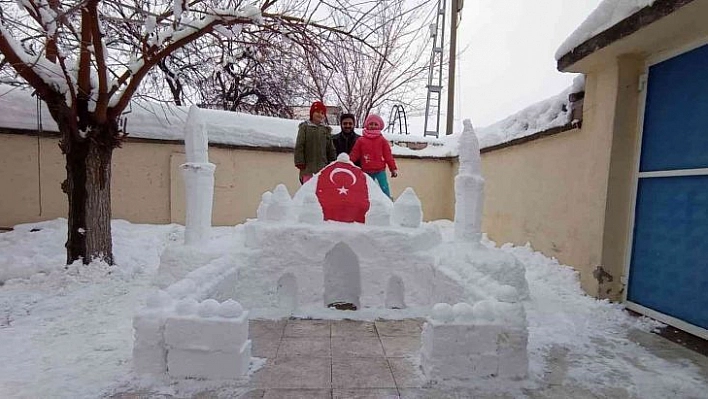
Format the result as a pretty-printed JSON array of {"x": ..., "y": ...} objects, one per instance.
[{"x": 374, "y": 153}]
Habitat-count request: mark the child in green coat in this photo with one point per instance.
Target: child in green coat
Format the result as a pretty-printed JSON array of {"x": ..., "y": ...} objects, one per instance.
[{"x": 314, "y": 148}]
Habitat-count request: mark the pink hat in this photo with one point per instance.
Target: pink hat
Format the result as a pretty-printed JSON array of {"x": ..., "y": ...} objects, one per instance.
[{"x": 374, "y": 118}]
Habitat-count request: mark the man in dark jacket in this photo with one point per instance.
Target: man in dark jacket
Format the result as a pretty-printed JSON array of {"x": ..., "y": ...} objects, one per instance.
[{"x": 344, "y": 140}]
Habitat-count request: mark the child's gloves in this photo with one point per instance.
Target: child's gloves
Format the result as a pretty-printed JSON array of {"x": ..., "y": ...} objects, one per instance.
[
  {"x": 394, "y": 173},
  {"x": 300, "y": 165}
]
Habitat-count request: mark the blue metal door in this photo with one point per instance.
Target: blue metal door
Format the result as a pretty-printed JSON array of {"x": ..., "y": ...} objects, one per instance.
[{"x": 669, "y": 262}]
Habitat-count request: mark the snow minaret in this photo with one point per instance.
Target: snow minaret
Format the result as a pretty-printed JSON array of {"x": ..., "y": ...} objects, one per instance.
[
  {"x": 311, "y": 212},
  {"x": 469, "y": 188},
  {"x": 198, "y": 180},
  {"x": 280, "y": 207},
  {"x": 407, "y": 210}
]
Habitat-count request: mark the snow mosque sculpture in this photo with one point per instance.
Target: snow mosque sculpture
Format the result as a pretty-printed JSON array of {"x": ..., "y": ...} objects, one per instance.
[
  {"x": 341, "y": 242},
  {"x": 383, "y": 261}
]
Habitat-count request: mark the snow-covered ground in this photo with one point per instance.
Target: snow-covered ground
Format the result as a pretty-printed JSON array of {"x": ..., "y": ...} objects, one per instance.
[{"x": 68, "y": 332}]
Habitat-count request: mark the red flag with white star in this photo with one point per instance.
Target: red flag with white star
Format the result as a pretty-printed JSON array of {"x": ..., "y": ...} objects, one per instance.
[{"x": 343, "y": 193}]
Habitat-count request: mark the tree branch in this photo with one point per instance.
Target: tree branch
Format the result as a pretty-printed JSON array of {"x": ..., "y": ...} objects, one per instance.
[
  {"x": 98, "y": 50},
  {"x": 23, "y": 69}
]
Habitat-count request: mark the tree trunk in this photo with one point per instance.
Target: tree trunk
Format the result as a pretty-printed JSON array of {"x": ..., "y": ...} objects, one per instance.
[{"x": 88, "y": 186}]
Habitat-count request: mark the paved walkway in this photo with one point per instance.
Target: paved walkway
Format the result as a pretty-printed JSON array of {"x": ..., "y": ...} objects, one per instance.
[
  {"x": 343, "y": 359},
  {"x": 336, "y": 359}
]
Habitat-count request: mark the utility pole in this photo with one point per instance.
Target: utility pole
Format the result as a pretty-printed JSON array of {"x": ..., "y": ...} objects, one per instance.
[
  {"x": 435, "y": 73},
  {"x": 455, "y": 9}
]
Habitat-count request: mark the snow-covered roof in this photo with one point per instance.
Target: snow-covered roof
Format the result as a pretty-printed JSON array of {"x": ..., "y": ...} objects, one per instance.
[
  {"x": 605, "y": 16},
  {"x": 158, "y": 121},
  {"x": 549, "y": 113}
]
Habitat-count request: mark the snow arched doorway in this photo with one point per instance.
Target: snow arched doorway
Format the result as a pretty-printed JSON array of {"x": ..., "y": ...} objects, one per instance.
[{"x": 342, "y": 278}]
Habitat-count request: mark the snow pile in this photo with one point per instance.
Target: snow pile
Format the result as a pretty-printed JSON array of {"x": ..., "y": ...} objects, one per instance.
[
  {"x": 32, "y": 261},
  {"x": 74, "y": 335},
  {"x": 543, "y": 115},
  {"x": 46, "y": 260},
  {"x": 605, "y": 16}
]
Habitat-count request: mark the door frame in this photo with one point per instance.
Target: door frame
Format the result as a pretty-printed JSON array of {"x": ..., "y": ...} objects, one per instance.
[{"x": 636, "y": 175}]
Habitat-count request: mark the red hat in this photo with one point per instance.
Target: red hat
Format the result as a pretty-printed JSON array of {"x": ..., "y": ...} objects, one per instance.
[{"x": 318, "y": 106}]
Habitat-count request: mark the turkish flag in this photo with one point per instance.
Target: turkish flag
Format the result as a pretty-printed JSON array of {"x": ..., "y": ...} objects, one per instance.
[{"x": 343, "y": 193}]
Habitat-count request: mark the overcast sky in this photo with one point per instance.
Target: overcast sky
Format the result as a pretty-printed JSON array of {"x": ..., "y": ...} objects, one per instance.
[{"x": 508, "y": 63}]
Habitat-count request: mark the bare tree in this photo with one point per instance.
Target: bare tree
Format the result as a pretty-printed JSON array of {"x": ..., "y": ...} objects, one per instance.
[
  {"x": 86, "y": 59},
  {"x": 254, "y": 76},
  {"x": 256, "y": 80},
  {"x": 387, "y": 66}
]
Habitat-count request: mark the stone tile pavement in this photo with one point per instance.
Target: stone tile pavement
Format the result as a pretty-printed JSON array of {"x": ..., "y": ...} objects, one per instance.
[
  {"x": 344, "y": 359},
  {"x": 335, "y": 359}
]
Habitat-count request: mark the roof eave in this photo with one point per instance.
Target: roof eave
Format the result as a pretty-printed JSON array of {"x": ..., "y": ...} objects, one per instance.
[{"x": 622, "y": 29}]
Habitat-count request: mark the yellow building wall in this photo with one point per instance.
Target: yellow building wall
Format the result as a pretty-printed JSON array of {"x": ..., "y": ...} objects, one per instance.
[
  {"x": 551, "y": 192},
  {"x": 147, "y": 186}
]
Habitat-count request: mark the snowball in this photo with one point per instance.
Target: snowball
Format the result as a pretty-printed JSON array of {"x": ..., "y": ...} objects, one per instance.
[
  {"x": 208, "y": 308},
  {"x": 187, "y": 306},
  {"x": 443, "y": 313},
  {"x": 158, "y": 299},
  {"x": 230, "y": 309},
  {"x": 508, "y": 294},
  {"x": 464, "y": 312},
  {"x": 484, "y": 310}
]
